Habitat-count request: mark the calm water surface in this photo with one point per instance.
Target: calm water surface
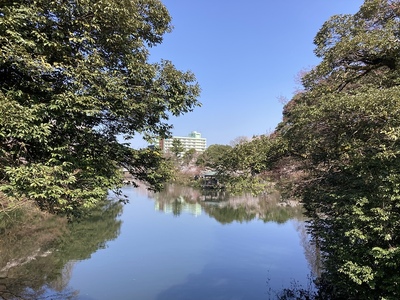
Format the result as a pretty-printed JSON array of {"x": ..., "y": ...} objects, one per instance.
[{"x": 181, "y": 244}]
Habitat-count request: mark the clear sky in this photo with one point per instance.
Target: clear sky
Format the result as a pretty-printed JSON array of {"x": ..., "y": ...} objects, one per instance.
[{"x": 245, "y": 55}]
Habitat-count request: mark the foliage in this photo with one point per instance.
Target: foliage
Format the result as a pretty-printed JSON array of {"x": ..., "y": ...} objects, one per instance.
[
  {"x": 75, "y": 75},
  {"x": 251, "y": 156},
  {"x": 241, "y": 168},
  {"x": 213, "y": 156},
  {"x": 344, "y": 129},
  {"x": 177, "y": 147},
  {"x": 189, "y": 156}
]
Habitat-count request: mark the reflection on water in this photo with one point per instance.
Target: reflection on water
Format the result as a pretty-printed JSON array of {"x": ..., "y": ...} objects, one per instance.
[
  {"x": 32, "y": 266},
  {"x": 224, "y": 208},
  {"x": 202, "y": 246}
]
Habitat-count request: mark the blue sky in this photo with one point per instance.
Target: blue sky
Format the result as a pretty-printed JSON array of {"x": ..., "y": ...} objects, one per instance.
[{"x": 245, "y": 55}]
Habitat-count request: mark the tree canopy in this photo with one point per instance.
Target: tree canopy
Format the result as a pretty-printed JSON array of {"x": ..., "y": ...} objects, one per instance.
[
  {"x": 213, "y": 156},
  {"x": 343, "y": 129},
  {"x": 340, "y": 137},
  {"x": 177, "y": 147},
  {"x": 75, "y": 76}
]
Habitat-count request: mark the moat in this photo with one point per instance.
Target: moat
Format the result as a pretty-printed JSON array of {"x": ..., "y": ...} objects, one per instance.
[{"x": 177, "y": 244}]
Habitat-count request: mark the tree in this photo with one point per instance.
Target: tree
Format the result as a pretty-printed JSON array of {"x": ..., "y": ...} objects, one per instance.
[
  {"x": 213, "y": 156},
  {"x": 239, "y": 140},
  {"x": 189, "y": 156},
  {"x": 242, "y": 169},
  {"x": 75, "y": 75},
  {"x": 344, "y": 130},
  {"x": 177, "y": 147}
]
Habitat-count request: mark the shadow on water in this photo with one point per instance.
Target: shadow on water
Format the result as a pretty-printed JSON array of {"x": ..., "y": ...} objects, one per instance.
[{"x": 37, "y": 257}]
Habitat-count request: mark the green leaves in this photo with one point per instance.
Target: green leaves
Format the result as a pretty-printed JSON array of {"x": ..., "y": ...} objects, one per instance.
[
  {"x": 74, "y": 76},
  {"x": 214, "y": 156},
  {"x": 343, "y": 130},
  {"x": 177, "y": 147},
  {"x": 358, "y": 274},
  {"x": 241, "y": 168}
]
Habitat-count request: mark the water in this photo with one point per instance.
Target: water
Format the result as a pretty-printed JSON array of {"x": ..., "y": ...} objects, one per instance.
[{"x": 180, "y": 244}]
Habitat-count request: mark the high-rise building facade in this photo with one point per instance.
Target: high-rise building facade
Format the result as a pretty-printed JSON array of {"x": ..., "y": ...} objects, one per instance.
[{"x": 192, "y": 141}]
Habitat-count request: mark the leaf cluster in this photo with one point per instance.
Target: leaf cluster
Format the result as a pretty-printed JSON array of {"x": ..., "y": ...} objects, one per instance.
[
  {"x": 74, "y": 76},
  {"x": 344, "y": 129}
]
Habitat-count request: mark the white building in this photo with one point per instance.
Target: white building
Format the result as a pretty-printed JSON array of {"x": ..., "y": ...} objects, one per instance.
[{"x": 192, "y": 141}]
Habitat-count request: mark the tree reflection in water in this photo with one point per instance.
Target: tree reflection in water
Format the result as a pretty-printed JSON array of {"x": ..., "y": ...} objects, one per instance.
[
  {"x": 226, "y": 208},
  {"x": 37, "y": 257},
  {"x": 35, "y": 265}
]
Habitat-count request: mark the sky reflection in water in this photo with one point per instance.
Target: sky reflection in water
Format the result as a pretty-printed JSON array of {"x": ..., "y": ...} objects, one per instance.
[
  {"x": 192, "y": 256},
  {"x": 178, "y": 244}
]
